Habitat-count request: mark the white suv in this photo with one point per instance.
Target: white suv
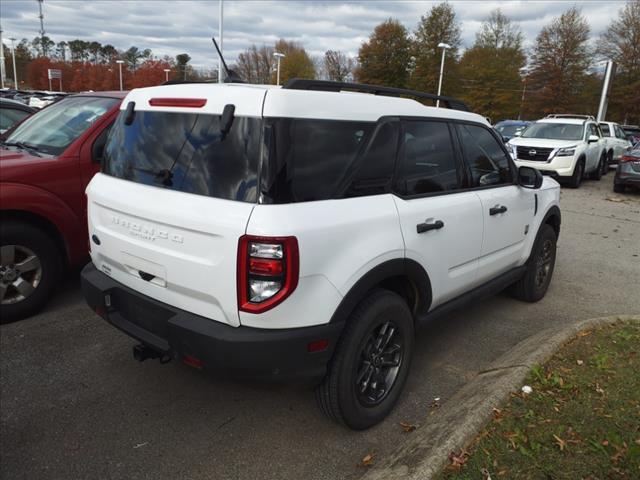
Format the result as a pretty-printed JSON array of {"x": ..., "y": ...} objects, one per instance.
[
  {"x": 307, "y": 231},
  {"x": 616, "y": 142},
  {"x": 564, "y": 146}
]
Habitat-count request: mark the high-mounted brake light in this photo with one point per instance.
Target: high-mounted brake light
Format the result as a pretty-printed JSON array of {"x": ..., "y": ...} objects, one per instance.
[
  {"x": 178, "y": 102},
  {"x": 268, "y": 270}
]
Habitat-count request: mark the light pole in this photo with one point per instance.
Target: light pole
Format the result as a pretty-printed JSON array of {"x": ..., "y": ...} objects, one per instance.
[
  {"x": 525, "y": 72},
  {"x": 166, "y": 74},
  {"x": 13, "y": 57},
  {"x": 120, "y": 62},
  {"x": 2, "y": 73},
  {"x": 278, "y": 56},
  {"x": 444, "y": 47}
]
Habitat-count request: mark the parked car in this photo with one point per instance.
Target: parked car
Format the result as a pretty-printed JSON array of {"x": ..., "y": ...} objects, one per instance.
[
  {"x": 632, "y": 132},
  {"x": 45, "y": 165},
  {"x": 306, "y": 232},
  {"x": 628, "y": 171},
  {"x": 616, "y": 142},
  {"x": 564, "y": 146},
  {"x": 12, "y": 113},
  {"x": 511, "y": 128}
]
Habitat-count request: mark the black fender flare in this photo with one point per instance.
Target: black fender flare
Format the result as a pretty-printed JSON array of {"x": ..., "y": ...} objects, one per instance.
[
  {"x": 399, "y": 267},
  {"x": 554, "y": 211}
]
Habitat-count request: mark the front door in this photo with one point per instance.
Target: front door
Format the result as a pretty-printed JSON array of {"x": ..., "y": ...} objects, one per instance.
[{"x": 507, "y": 209}]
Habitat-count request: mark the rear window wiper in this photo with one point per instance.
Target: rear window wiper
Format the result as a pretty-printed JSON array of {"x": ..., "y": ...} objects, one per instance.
[{"x": 23, "y": 146}]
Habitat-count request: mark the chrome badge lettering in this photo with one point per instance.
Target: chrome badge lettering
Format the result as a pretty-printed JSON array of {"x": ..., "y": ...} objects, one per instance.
[{"x": 145, "y": 232}]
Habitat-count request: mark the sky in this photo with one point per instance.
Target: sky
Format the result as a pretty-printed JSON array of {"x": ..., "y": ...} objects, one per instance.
[{"x": 173, "y": 27}]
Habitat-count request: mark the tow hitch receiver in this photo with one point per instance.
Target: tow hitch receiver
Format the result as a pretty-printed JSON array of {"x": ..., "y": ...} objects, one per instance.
[{"x": 142, "y": 352}]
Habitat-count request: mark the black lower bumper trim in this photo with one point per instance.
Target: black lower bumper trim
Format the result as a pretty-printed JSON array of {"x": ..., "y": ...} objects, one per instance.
[{"x": 231, "y": 351}]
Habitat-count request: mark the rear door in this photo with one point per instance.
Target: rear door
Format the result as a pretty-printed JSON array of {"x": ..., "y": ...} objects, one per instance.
[
  {"x": 507, "y": 209},
  {"x": 174, "y": 197},
  {"x": 441, "y": 225}
]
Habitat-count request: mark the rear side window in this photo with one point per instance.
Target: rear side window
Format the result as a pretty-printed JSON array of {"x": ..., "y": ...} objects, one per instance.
[
  {"x": 485, "y": 157},
  {"x": 605, "y": 130},
  {"x": 187, "y": 152},
  {"x": 309, "y": 160},
  {"x": 427, "y": 162}
]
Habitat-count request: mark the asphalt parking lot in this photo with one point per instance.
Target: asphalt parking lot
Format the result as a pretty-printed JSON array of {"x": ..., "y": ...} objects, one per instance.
[{"x": 74, "y": 403}]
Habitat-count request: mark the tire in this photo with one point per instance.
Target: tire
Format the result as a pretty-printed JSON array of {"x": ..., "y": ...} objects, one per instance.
[
  {"x": 597, "y": 173},
  {"x": 24, "y": 293},
  {"x": 578, "y": 172},
  {"x": 534, "y": 283},
  {"x": 618, "y": 188},
  {"x": 607, "y": 161},
  {"x": 355, "y": 359}
]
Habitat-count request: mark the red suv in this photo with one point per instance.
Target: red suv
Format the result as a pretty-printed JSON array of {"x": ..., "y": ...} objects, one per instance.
[{"x": 46, "y": 163}]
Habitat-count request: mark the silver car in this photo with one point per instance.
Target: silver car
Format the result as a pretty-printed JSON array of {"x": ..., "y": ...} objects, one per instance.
[{"x": 628, "y": 172}]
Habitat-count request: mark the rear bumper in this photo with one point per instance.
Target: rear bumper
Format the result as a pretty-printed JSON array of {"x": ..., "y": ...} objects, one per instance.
[
  {"x": 274, "y": 354},
  {"x": 627, "y": 175}
]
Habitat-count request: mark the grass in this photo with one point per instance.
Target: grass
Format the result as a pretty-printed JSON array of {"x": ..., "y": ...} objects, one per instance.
[{"x": 582, "y": 420}]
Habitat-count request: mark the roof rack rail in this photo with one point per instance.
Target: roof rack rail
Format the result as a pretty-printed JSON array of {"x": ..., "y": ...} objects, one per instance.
[
  {"x": 331, "y": 86},
  {"x": 570, "y": 115}
]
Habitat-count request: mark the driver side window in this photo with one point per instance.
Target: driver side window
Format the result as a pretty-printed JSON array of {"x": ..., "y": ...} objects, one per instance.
[{"x": 484, "y": 156}]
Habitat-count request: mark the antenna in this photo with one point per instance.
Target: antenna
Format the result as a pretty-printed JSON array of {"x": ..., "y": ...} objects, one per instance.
[{"x": 224, "y": 64}]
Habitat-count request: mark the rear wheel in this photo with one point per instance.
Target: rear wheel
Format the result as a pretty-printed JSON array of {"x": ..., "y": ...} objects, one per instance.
[
  {"x": 607, "y": 161},
  {"x": 371, "y": 362},
  {"x": 578, "y": 172},
  {"x": 535, "y": 282},
  {"x": 30, "y": 265},
  {"x": 618, "y": 188}
]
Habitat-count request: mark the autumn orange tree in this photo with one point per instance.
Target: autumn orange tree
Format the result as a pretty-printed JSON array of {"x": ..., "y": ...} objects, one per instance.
[
  {"x": 297, "y": 63},
  {"x": 559, "y": 63},
  {"x": 621, "y": 43},
  {"x": 490, "y": 70},
  {"x": 385, "y": 57}
]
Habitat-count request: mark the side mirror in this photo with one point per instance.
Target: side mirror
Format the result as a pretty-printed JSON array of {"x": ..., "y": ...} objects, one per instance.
[
  {"x": 529, "y": 177},
  {"x": 593, "y": 138},
  {"x": 226, "y": 120}
]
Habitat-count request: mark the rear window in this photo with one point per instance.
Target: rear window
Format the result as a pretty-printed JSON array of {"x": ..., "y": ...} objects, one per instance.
[{"x": 188, "y": 153}]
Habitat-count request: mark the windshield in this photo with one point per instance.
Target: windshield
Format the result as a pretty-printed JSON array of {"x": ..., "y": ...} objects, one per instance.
[
  {"x": 509, "y": 130},
  {"x": 53, "y": 129},
  {"x": 554, "y": 131},
  {"x": 186, "y": 152}
]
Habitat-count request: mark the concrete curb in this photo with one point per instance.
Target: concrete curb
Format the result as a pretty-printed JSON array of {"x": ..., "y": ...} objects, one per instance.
[{"x": 426, "y": 450}]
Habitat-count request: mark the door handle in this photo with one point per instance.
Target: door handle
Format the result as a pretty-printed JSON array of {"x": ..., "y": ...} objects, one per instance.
[
  {"x": 497, "y": 209},
  {"x": 425, "y": 227}
]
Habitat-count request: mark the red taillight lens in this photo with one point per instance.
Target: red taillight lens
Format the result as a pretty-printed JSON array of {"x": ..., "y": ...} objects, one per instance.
[
  {"x": 178, "y": 102},
  {"x": 268, "y": 269},
  {"x": 629, "y": 158}
]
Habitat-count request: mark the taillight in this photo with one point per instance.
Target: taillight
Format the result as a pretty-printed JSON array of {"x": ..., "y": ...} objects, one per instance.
[
  {"x": 629, "y": 158},
  {"x": 268, "y": 269}
]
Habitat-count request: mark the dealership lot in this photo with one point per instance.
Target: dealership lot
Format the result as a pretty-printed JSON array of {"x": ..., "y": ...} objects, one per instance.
[{"x": 76, "y": 405}]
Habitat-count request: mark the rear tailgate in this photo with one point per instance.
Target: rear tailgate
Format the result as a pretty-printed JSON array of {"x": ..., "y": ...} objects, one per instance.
[{"x": 177, "y": 248}]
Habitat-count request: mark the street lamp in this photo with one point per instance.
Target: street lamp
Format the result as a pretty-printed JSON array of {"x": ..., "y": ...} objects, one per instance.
[
  {"x": 166, "y": 74},
  {"x": 120, "y": 62},
  {"x": 444, "y": 47},
  {"x": 278, "y": 56},
  {"x": 13, "y": 56},
  {"x": 525, "y": 72}
]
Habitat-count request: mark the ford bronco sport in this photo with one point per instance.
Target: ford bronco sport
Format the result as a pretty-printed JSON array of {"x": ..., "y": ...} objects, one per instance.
[{"x": 307, "y": 231}]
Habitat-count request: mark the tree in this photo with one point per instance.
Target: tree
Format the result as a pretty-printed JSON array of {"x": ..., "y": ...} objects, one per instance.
[
  {"x": 559, "y": 67},
  {"x": 338, "y": 66},
  {"x": 296, "y": 64},
  {"x": 255, "y": 65},
  {"x": 108, "y": 53},
  {"x": 181, "y": 62},
  {"x": 95, "y": 48},
  {"x": 133, "y": 55},
  {"x": 621, "y": 43},
  {"x": 384, "y": 59},
  {"x": 490, "y": 69},
  {"x": 43, "y": 45},
  {"x": 61, "y": 50},
  {"x": 439, "y": 26}
]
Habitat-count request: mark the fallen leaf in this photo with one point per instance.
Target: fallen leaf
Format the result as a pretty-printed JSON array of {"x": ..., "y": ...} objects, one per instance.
[
  {"x": 637, "y": 442},
  {"x": 485, "y": 474},
  {"x": 138, "y": 445},
  {"x": 561, "y": 443},
  {"x": 605, "y": 442},
  {"x": 502, "y": 472},
  {"x": 368, "y": 459},
  {"x": 599, "y": 389},
  {"x": 614, "y": 199},
  {"x": 408, "y": 427},
  {"x": 579, "y": 362},
  {"x": 458, "y": 459}
]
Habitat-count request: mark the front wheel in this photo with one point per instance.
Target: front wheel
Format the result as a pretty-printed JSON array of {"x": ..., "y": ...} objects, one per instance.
[
  {"x": 30, "y": 265},
  {"x": 578, "y": 173},
  {"x": 371, "y": 362},
  {"x": 535, "y": 282}
]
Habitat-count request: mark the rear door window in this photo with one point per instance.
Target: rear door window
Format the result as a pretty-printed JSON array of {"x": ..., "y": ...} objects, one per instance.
[
  {"x": 487, "y": 161},
  {"x": 186, "y": 152},
  {"x": 427, "y": 161},
  {"x": 605, "y": 130}
]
